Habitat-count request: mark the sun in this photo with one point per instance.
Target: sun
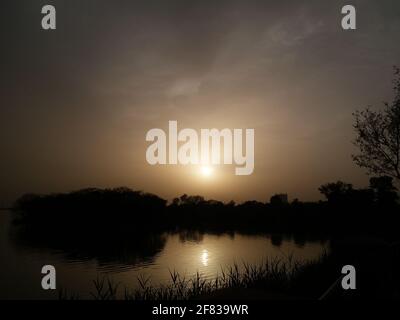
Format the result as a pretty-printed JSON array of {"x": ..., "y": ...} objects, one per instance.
[{"x": 207, "y": 171}]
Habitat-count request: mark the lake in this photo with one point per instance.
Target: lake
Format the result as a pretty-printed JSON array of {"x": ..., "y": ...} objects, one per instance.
[{"x": 186, "y": 252}]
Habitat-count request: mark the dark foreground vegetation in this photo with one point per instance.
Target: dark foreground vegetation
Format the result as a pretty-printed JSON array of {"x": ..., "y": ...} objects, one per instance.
[
  {"x": 284, "y": 279},
  {"x": 271, "y": 280}
]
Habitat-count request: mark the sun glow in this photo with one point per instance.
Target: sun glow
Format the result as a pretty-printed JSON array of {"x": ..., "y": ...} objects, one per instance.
[{"x": 207, "y": 171}]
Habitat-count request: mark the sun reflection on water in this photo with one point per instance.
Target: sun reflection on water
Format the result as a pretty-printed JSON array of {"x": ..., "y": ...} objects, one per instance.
[{"x": 204, "y": 258}]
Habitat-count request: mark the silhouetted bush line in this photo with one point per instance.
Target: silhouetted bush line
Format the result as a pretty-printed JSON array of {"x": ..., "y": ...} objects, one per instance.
[{"x": 373, "y": 210}]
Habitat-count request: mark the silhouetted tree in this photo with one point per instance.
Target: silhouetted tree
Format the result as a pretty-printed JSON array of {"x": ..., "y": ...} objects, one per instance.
[
  {"x": 279, "y": 199},
  {"x": 384, "y": 191},
  {"x": 192, "y": 200},
  {"x": 378, "y": 136},
  {"x": 336, "y": 191}
]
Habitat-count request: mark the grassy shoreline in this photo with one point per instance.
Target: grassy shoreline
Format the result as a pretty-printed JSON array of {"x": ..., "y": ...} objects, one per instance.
[{"x": 272, "y": 279}]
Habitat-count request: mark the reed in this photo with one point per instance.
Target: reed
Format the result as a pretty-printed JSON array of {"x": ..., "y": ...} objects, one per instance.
[{"x": 277, "y": 275}]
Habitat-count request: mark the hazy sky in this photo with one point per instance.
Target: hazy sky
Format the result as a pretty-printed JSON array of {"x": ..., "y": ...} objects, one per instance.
[{"x": 76, "y": 103}]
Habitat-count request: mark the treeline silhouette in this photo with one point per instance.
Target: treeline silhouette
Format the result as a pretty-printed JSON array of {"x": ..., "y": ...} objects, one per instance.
[{"x": 346, "y": 210}]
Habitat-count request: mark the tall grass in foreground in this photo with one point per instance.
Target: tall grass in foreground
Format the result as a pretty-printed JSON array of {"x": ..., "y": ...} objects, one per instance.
[{"x": 286, "y": 277}]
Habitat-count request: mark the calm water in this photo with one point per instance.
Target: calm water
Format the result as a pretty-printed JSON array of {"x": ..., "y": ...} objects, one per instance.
[{"x": 187, "y": 253}]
